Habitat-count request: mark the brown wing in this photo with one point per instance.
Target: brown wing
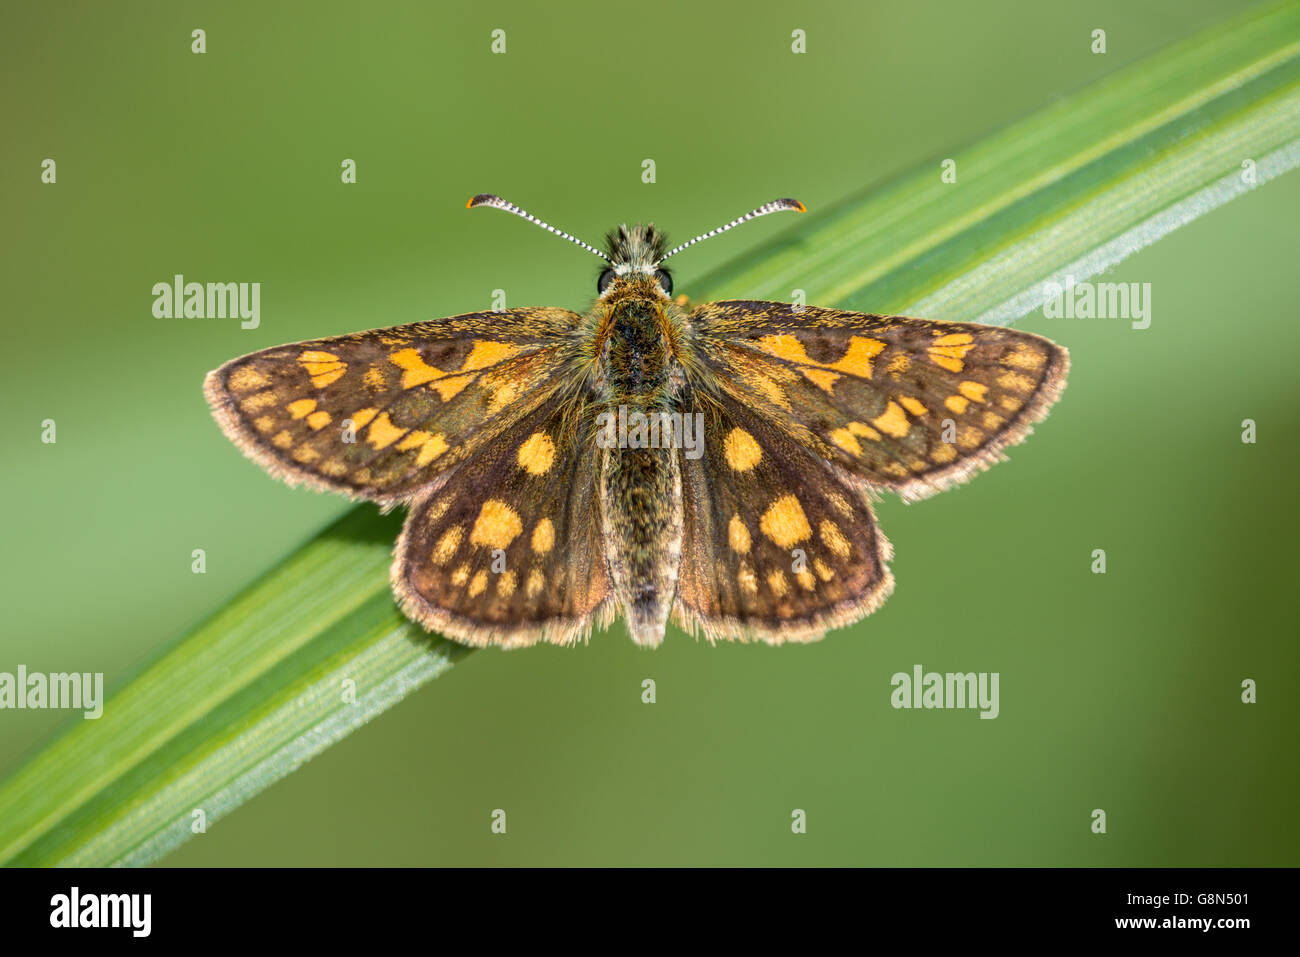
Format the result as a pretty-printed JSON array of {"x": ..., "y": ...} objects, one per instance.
[
  {"x": 907, "y": 404},
  {"x": 777, "y": 545},
  {"x": 380, "y": 414},
  {"x": 509, "y": 550}
]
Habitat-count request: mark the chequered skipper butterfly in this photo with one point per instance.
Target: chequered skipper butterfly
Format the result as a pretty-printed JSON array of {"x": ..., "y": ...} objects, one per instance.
[{"x": 524, "y": 525}]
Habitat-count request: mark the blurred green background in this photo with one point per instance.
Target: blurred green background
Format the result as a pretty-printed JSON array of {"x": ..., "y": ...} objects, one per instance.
[{"x": 1118, "y": 691}]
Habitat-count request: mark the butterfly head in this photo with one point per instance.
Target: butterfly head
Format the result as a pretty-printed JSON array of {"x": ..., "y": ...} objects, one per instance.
[{"x": 635, "y": 254}]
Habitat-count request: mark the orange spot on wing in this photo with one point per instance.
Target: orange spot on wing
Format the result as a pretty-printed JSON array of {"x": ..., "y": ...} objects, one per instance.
[
  {"x": 497, "y": 526},
  {"x": 847, "y": 441},
  {"x": 537, "y": 454},
  {"x": 774, "y": 393},
  {"x": 478, "y": 584},
  {"x": 1016, "y": 382},
  {"x": 824, "y": 379},
  {"x": 246, "y": 378},
  {"x": 487, "y": 353},
  {"x": 738, "y": 535},
  {"x": 858, "y": 358},
  {"x": 451, "y": 386},
  {"x": 506, "y": 584},
  {"x": 536, "y": 582},
  {"x": 898, "y": 364},
  {"x": 943, "y": 453},
  {"x": 948, "y": 351},
  {"x": 258, "y": 401},
  {"x": 361, "y": 418},
  {"x": 784, "y": 522},
  {"x": 954, "y": 339},
  {"x": 834, "y": 538},
  {"x": 447, "y": 545},
  {"x": 912, "y": 405},
  {"x": 742, "y": 450},
  {"x": 776, "y": 581},
  {"x": 892, "y": 421},
  {"x": 323, "y": 367},
  {"x": 430, "y": 446},
  {"x": 543, "y": 536},
  {"x": 382, "y": 432},
  {"x": 415, "y": 370},
  {"x": 1028, "y": 358},
  {"x": 786, "y": 347},
  {"x": 861, "y": 428}
]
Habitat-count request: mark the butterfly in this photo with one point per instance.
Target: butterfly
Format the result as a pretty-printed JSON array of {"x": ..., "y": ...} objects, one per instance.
[{"x": 715, "y": 464}]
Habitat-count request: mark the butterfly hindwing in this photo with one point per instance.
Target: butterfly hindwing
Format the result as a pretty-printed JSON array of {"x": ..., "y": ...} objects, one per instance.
[
  {"x": 908, "y": 404},
  {"x": 380, "y": 414},
  {"x": 777, "y": 545},
  {"x": 509, "y": 549}
]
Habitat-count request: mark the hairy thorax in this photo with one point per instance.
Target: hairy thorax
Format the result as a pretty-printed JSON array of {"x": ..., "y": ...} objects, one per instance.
[{"x": 637, "y": 359}]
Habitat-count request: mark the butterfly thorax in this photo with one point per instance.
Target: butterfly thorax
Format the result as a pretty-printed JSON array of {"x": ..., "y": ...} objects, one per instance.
[
  {"x": 636, "y": 338},
  {"x": 637, "y": 329}
]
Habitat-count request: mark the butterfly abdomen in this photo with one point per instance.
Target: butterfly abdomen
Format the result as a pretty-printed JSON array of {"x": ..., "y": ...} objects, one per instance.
[
  {"x": 641, "y": 488},
  {"x": 641, "y": 505}
]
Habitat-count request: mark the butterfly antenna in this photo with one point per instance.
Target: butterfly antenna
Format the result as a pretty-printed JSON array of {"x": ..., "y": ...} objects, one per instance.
[
  {"x": 776, "y": 206},
  {"x": 496, "y": 202}
]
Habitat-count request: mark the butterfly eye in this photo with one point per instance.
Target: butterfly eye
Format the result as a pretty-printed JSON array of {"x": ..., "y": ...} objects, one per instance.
[
  {"x": 603, "y": 282},
  {"x": 665, "y": 280}
]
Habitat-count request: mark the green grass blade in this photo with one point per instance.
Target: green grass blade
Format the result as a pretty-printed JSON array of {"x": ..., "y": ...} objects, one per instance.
[
  {"x": 235, "y": 705},
  {"x": 259, "y": 688},
  {"x": 1099, "y": 171}
]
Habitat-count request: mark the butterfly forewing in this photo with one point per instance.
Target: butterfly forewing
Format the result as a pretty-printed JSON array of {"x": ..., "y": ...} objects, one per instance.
[
  {"x": 907, "y": 404},
  {"x": 381, "y": 414}
]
